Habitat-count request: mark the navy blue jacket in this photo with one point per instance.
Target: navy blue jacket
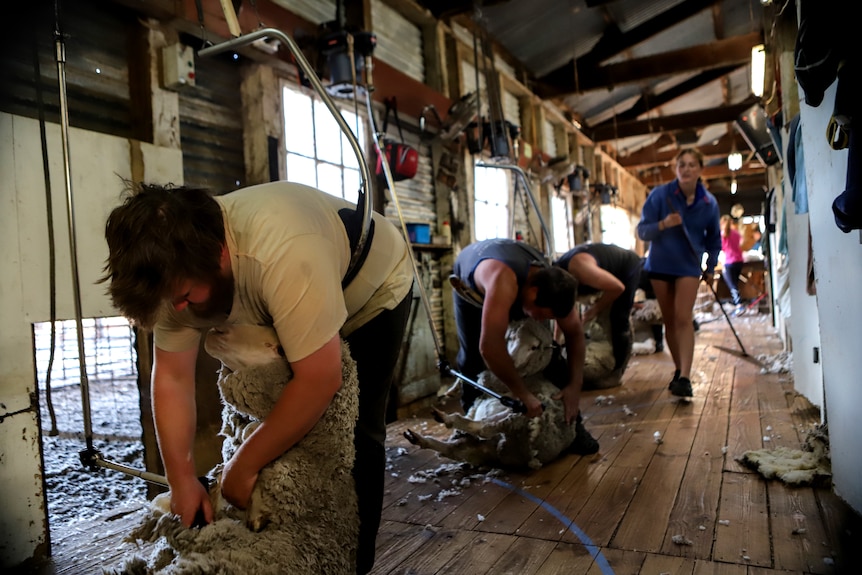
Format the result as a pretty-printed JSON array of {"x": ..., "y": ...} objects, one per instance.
[{"x": 670, "y": 252}]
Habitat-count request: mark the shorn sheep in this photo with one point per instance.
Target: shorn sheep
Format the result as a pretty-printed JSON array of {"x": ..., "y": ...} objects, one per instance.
[
  {"x": 303, "y": 517},
  {"x": 492, "y": 435}
]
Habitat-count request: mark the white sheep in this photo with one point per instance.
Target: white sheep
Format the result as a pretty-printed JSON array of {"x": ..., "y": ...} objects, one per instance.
[
  {"x": 493, "y": 435},
  {"x": 599, "y": 372},
  {"x": 645, "y": 316},
  {"x": 303, "y": 517}
]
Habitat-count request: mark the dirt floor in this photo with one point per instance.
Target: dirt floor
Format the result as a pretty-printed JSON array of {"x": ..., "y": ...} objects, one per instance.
[{"x": 74, "y": 491}]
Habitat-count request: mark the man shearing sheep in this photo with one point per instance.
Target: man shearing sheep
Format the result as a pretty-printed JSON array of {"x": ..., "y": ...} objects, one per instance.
[
  {"x": 182, "y": 261},
  {"x": 615, "y": 272},
  {"x": 513, "y": 280}
]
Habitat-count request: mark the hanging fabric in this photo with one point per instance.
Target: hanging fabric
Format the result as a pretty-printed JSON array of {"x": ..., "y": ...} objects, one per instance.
[{"x": 847, "y": 207}]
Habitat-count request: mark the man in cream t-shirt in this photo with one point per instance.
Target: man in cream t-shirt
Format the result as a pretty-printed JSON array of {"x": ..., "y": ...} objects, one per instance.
[{"x": 182, "y": 261}]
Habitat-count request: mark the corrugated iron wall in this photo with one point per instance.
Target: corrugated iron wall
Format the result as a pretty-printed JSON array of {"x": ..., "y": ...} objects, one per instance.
[
  {"x": 96, "y": 39},
  {"x": 399, "y": 41},
  {"x": 211, "y": 125},
  {"x": 315, "y": 11},
  {"x": 417, "y": 200}
]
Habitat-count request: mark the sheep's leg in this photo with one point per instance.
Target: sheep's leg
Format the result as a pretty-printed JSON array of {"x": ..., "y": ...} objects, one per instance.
[
  {"x": 485, "y": 428},
  {"x": 257, "y": 515},
  {"x": 465, "y": 448}
]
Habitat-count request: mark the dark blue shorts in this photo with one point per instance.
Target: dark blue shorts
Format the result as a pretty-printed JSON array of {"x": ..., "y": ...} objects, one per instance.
[{"x": 670, "y": 278}]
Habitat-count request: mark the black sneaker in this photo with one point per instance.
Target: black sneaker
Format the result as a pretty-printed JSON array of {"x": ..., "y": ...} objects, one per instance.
[
  {"x": 675, "y": 377},
  {"x": 584, "y": 443},
  {"x": 681, "y": 387}
]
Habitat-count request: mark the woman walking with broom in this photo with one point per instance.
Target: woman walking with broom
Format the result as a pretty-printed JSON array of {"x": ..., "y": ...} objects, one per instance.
[{"x": 680, "y": 219}]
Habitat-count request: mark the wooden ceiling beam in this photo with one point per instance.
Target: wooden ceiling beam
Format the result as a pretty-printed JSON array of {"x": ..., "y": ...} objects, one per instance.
[
  {"x": 654, "y": 156},
  {"x": 614, "y": 42},
  {"x": 568, "y": 79},
  {"x": 734, "y": 51},
  {"x": 667, "y": 173},
  {"x": 689, "y": 120},
  {"x": 648, "y": 102}
]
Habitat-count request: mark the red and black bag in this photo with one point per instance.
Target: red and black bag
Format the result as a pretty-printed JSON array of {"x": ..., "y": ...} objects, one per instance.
[{"x": 403, "y": 159}]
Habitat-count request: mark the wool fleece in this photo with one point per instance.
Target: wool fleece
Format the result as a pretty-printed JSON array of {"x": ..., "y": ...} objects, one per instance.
[{"x": 303, "y": 517}]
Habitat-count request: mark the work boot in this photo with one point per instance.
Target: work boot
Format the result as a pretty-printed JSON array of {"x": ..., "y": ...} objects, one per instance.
[
  {"x": 584, "y": 443},
  {"x": 675, "y": 377},
  {"x": 681, "y": 387}
]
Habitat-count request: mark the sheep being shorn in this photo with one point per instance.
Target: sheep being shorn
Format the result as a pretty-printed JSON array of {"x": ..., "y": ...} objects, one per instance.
[
  {"x": 599, "y": 372},
  {"x": 493, "y": 435},
  {"x": 303, "y": 517}
]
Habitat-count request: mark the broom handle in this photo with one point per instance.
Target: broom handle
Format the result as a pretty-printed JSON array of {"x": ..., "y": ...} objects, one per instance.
[{"x": 709, "y": 285}]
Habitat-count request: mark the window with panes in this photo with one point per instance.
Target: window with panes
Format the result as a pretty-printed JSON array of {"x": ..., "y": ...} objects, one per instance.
[
  {"x": 491, "y": 203},
  {"x": 318, "y": 152}
]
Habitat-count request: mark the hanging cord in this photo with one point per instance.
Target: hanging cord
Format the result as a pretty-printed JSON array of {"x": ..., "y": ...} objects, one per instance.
[
  {"x": 87, "y": 454},
  {"x": 479, "y": 127},
  {"x": 260, "y": 23},
  {"x": 495, "y": 97},
  {"x": 351, "y": 56},
  {"x": 52, "y": 258},
  {"x": 526, "y": 207},
  {"x": 390, "y": 182},
  {"x": 200, "y": 12},
  {"x": 492, "y": 132}
]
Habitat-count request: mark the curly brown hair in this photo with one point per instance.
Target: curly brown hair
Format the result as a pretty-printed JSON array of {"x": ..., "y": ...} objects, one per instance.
[{"x": 157, "y": 238}]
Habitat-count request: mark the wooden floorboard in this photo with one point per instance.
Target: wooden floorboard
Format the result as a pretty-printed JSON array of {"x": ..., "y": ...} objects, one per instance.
[{"x": 616, "y": 512}]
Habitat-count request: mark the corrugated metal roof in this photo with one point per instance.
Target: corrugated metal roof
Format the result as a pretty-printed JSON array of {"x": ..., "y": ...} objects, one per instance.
[
  {"x": 543, "y": 34},
  {"x": 548, "y": 35}
]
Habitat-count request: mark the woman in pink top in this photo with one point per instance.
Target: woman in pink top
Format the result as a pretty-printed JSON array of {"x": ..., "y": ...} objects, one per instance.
[{"x": 730, "y": 245}]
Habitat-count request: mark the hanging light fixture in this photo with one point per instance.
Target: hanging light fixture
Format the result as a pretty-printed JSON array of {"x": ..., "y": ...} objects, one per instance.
[
  {"x": 734, "y": 161},
  {"x": 758, "y": 69},
  {"x": 733, "y": 186}
]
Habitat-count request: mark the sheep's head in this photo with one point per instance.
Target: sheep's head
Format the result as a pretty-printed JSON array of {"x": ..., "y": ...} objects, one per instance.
[
  {"x": 243, "y": 346},
  {"x": 530, "y": 344}
]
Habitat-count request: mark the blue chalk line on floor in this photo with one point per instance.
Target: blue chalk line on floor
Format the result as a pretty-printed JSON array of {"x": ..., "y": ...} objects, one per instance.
[{"x": 588, "y": 544}]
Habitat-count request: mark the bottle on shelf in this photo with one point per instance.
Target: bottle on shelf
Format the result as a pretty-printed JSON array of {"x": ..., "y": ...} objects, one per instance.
[{"x": 446, "y": 233}]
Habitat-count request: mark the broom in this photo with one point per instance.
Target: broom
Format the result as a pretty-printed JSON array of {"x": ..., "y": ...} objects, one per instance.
[{"x": 744, "y": 354}]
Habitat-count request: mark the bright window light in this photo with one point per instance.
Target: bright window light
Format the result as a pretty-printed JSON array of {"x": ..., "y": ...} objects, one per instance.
[
  {"x": 562, "y": 224},
  {"x": 758, "y": 67},
  {"x": 491, "y": 203},
  {"x": 617, "y": 227}
]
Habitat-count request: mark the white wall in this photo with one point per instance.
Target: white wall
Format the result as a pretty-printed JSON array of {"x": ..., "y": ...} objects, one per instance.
[
  {"x": 837, "y": 259},
  {"x": 803, "y": 323},
  {"x": 97, "y": 163}
]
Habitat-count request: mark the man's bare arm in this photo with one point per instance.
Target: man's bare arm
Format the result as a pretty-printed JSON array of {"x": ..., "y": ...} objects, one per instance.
[
  {"x": 175, "y": 417},
  {"x": 586, "y": 270},
  {"x": 573, "y": 332},
  {"x": 500, "y": 286}
]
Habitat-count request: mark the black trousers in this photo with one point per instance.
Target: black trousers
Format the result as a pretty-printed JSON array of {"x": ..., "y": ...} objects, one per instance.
[
  {"x": 375, "y": 347},
  {"x": 468, "y": 320},
  {"x": 620, "y": 318}
]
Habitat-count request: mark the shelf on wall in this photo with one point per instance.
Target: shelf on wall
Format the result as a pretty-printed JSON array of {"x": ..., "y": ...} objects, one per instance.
[{"x": 432, "y": 247}]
